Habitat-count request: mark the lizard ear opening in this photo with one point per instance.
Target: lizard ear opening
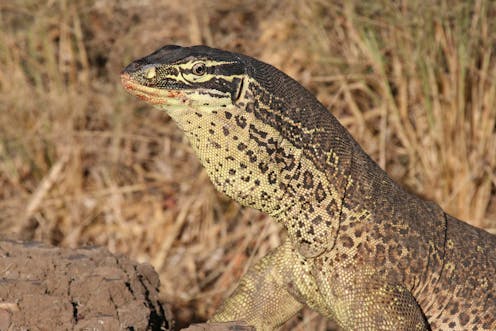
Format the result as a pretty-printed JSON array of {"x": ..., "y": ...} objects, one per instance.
[{"x": 239, "y": 91}]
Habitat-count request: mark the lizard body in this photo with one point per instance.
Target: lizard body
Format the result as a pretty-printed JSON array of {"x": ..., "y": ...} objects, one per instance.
[{"x": 361, "y": 250}]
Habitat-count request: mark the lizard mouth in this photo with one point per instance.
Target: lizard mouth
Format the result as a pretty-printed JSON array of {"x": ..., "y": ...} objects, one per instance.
[{"x": 152, "y": 95}]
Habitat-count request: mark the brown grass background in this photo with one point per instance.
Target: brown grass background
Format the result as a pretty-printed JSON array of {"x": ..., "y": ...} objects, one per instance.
[{"x": 82, "y": 162}]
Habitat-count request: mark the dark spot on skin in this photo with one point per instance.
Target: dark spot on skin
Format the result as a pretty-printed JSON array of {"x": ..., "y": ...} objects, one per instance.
[
  {"x": 380, "y": 254},
  {"x": 265, "y": 97},
  {"x": 252, "y": 156},
  {"x": 232, "y": 172},
  {"x": 198, "y": 114},
  {"x": 452, "y": 325},
  {"x": 211, "y": 131},
  {"x": 240, "y": 121},
  {"x": 393, "y": 254},
  {"x": 228, "y": 115},
  {"x": 257, "y": 182},
  {"x": 255, "y": 131},
  {"x": 243, "y": 166},
  {"x": 263, "y": 167},
  {"x": 346, "y": 241},
  {"x": 272, "y": 177},
  {"x": 331, "y": 208},
  {"x": 242, "y": 146},
  {"x": 250, "y": 107},
  {"x": 320, "y": 193},
  {"x": 307, "y": 179},
  {"x": 215, "y": 144},
  {"x": 454, "y": 308},
  {"x": 317, "y": 220},
  {"x": 376, "y": 233},
  {"x": 464, "y": 318},
  {"x": 225, "y": 130},
  {"x": 297, "y": 172},
  {"x": 307, "y": 206}
]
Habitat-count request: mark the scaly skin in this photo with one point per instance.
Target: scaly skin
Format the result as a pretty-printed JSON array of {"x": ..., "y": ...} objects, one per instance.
[{"x": 361, "y": 250}]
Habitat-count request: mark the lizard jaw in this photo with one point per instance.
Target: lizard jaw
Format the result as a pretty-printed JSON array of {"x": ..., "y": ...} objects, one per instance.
[{"x": 154, "y": 96}]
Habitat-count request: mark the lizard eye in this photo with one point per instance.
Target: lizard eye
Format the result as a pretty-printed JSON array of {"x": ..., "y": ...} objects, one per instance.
[{"x": 199, "y": 69}]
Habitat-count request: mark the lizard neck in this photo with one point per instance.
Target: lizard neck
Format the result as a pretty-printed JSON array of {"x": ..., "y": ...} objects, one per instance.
[
  {"x": 334, "y": 182},
  {"x": 312, "y": 156}
]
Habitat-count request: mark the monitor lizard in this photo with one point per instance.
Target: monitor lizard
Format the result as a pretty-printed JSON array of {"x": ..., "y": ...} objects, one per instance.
[{"x": 360, "y": 250}]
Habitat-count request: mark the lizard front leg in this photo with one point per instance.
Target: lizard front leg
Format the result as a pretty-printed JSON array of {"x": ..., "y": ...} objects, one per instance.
[
  {"x": 262, "y": 298},
  {"x": 360, "y": 298},
  {"x": 383, "y": 307}
]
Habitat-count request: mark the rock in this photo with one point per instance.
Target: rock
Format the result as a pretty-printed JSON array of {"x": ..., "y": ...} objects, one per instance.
[{"x": 50, "y": 288}]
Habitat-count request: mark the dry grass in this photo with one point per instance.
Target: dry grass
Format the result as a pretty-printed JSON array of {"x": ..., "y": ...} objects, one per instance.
[{"x": 82, "y": 163}]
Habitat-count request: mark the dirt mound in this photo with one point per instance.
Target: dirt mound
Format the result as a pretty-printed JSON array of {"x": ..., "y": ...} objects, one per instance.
[{"x": 49, "y": 288}]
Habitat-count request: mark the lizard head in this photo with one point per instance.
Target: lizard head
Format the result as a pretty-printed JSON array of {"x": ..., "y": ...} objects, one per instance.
[
  {"x": 181, "y": 79},
  {"x": 207, "y": 92}
]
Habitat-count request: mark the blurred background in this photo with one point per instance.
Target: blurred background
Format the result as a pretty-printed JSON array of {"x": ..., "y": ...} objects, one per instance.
[{"x": 83, "y": 163}]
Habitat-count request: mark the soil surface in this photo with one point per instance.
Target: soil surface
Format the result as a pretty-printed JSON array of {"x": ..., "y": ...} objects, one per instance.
[
  {"x": 227, "y": 326},
  {"x": 49, "y": 288}
]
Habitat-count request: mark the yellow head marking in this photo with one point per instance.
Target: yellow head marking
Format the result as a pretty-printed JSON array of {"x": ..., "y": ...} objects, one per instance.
[{"x": 151, "y": 73}]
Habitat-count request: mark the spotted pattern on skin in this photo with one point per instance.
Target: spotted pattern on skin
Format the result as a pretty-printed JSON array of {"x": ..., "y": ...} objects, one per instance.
[
  {"x": 275, "y": 190},
  {"x": 361, "y": 250}
]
